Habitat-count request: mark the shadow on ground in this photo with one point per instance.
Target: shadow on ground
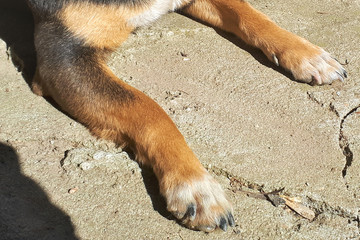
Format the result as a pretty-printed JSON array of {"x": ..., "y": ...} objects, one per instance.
[
  {"x": 25, "y": 210},
  {"x": 152, "y": 188},
  {"x": 17, "y": 30}
]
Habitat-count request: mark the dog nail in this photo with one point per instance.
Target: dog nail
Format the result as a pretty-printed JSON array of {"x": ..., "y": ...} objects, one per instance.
[
  {"x": 276, "y": 61},
  {"x": 231, "y": 220},
  {"x": 223, "y": 224},
  {"x": 191, "y": 211}
]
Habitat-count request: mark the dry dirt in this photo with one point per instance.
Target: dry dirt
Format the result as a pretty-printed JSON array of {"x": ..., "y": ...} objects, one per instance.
[{"x": 243, "y": 117}]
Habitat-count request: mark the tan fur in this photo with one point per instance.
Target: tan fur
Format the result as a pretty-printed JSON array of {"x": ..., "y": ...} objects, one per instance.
[{"x": 101, "y": 27}]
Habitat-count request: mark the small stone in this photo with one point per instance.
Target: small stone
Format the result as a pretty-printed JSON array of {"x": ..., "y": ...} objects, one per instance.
[
  {"x": 86, "y": 166},
  {"x": 73, "y": 190}
]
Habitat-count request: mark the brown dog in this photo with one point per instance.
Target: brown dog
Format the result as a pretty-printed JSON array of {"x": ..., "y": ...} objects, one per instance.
[{"x": 73, "y": 39}]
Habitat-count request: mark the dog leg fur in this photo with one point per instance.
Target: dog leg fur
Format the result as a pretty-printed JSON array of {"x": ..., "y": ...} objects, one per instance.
[{"x": 306, "y": 61}]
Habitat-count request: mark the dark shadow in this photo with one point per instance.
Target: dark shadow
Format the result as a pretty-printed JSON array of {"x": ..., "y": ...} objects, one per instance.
[
  {"x": 25, "y": 211},
  {"x": 152, "y": 188},
  {"x": 17, "y": 30}
]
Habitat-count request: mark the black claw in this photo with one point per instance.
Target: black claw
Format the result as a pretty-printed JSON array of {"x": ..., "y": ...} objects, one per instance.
[
  {"x": 231, "y": 220},
  {"x": 191, "y": 211},
  {"x": 223, "y": 224},
  {"x": 345, "y": 73}
]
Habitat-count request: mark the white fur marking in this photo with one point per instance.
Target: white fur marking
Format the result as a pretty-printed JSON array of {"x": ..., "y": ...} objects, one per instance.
[{"x": 156, "y": 10}]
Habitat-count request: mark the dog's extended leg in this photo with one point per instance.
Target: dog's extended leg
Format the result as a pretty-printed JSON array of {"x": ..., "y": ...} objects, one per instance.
[
  {"x": 307, "y": 62},
  {"x": 72, "y": 46}
]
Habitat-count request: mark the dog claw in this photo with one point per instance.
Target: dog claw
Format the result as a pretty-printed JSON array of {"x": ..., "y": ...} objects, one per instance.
[
  {"x": 345, "y": 73},
  {"x": 191, "y": 212},
  {"x": 275, "y": 59},
  {"x": 223, "y": 224},
  {"x": 231, "y": 220}
]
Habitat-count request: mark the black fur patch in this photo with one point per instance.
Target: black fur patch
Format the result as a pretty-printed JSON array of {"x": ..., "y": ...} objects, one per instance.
[{"x": 74, "y": 72}]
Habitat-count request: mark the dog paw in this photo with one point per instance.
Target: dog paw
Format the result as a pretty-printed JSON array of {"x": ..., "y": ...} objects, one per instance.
[
  {"x": 308, "y": 63},
  {"x": 200, "y": 204}
]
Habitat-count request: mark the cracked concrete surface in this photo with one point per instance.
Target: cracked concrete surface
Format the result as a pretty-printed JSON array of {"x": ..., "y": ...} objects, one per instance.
[
  {"x": 344, "y": 143},
  {"x": 241, "y": 115}
]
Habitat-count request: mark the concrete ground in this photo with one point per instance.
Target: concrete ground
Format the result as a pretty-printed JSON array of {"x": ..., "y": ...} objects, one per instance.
[{"x": 254, "y": 128}]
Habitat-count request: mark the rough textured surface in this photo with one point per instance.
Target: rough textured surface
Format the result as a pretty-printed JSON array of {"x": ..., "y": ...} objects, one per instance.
[{"x": 242, "y": 116}]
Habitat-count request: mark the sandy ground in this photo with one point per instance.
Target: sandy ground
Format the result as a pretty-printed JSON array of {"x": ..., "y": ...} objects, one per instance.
[{"x": 244, "y": 118}]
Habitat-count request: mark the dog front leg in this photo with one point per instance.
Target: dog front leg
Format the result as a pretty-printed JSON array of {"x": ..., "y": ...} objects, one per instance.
[
  {"x": 306, "y": 61},
  {"x": 75, "y": 75}
]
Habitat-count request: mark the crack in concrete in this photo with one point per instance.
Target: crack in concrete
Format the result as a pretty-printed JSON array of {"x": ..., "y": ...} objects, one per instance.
[
  {"x": 323, "y": 207},
  {"x": 312, "y": 97},
  {"x": 331, "y": 106},
  {"x": 345, "y": 145},
  {"x": 343, "y": 140},
  {"x": 247, "y": 184},
  {"x": 320, "y": 207}
]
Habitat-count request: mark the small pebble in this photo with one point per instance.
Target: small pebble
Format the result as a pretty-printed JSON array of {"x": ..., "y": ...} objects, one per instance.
[
  {"x": 86, "y": 166},
  {"x": 73, "y": 190}
]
